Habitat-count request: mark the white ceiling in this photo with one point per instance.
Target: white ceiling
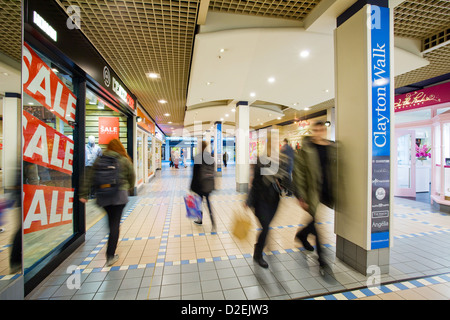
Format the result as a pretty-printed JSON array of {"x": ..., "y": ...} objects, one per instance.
[{"x": 254, "y": 52}]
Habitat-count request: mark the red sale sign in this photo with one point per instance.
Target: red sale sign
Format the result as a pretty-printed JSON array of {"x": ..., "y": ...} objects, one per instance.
[
  {"x": 43, "y": 85},
  {"x": 108, "y": 129},
  {"x": 46, "y": 207},
  {"x": 45, "y": 146}
]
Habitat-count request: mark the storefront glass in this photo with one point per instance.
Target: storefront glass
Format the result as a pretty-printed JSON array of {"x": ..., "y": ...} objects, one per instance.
[
  {"x": 103, "y": 123},
  {"x": 49, "y": 107},
  {"x": 140, "y": 158},
  {"x": 150, "y": 155}
]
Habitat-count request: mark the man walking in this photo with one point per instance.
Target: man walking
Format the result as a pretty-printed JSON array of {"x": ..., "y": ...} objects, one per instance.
[{"x": 314, "y": 178}]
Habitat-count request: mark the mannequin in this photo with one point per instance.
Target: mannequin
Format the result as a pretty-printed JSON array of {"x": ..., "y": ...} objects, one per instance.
[{"x": 92, "y": 151}]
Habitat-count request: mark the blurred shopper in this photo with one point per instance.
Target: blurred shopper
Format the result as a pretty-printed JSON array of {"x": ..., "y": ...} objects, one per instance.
[
  {"x": 225, "y": 159},
  {"x": 314, "y": 178},
  {"x": 286, "y": 166},
  {"x": 263, "y": 198},
  {"x": 203, "y": 179},
  {"x": 111, "y": 196}
]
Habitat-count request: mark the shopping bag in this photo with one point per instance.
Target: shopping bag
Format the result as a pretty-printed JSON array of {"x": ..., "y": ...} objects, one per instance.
[
  {"x": 241, "y": 224},
  {"x": 193, "y": 206}
]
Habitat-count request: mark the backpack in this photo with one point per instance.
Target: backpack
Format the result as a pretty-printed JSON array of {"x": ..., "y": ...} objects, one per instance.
[{"x": 106, "y": 176}]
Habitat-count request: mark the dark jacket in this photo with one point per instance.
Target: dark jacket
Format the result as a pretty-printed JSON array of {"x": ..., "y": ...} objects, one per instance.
[
  {"x": 203, "y": 165},
  {"x": 307, "y": 174},
  {"x": 263, "y": 195},
  {"x": 127, "y": 180}
]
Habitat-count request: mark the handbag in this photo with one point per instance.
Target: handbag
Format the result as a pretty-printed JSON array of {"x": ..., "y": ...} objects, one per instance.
[
  {"x": 241, "y": 224},
  {"x": 193, "y": 204}
]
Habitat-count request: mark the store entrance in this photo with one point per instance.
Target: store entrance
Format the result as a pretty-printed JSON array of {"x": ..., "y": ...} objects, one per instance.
[{"x": 413, "y": 163}]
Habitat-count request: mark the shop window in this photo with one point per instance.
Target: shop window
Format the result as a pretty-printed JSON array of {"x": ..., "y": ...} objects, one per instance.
[
  {"x": 49, "y": 108},
  {"x": 412, "y": 116},
  {"x": 103, "y": 123},
  {"x": 150, "y": 156},
  {"x": 442, "y": 110}
]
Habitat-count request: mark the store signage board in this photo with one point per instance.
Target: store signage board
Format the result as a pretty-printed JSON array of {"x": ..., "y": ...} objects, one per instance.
[
  {"x": 423, "y": 98},
  {"x": 380, "y": 104},
  {"x": 44, "y": 26},
  {"x": 43, "y": 85},
  {"x": 108, "y": 129}
]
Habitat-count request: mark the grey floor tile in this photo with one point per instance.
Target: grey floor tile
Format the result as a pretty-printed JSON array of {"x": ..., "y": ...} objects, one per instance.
[
  {"x": 223, "y": 264},
  {"x": 115, "y": 275},
  {"x": 190, "y": 277},
  {"x": 89, "y": 287},
  {"x": 98, "y": 276},
  {"x": 154, "y": 292},
  {"x": 248, "y": 281},
  {"x": 226, "y": 273},
  {"x": 172, "y": 270},
  {"x": 255, "y": 292},
  {"x": 87, "y": 296},
  {"x": 130, "y": 283},
  {"x": 170, "y": 290},
  {"x": 143, "y": 293},
  {"x": 134, "y": 273},
  {"x": 206, "y": 266},
  {"x": 129, "y": 294},
  {"x": 230, "y": 283},
  {"x": 191, "y": 288},
  {"x": 171, "y": 279},
  {"x": 235, "y": 294},
  {"x": 105, "y": 295},
  {"x": 213, "y": 295},
  {"x": 274, "y": 289},
  {"x": 310, "y": 284},
  {"x": 243, "y": 271},
  {"x": 210, "y": 285},
  {"x": 208, "y": 275},
  {"x": 197, "y": 296},
  {"x": 292, "y": 286}
]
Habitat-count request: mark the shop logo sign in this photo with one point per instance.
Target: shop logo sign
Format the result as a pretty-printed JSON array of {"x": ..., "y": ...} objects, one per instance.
[
  {"x": 74, "y": 20},
  {"x": 106, "y": 76},
  {"x": 44, "y": 26}
]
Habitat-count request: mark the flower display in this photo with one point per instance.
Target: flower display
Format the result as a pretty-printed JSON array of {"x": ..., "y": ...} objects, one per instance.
[{"x": 423, "y": 152}]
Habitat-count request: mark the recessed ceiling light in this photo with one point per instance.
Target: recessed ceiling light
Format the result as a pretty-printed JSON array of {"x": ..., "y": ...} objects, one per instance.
[
  {"x": 169, "y": 122},
  {"x": 167, "y": 114},
  {"x": 221, "y": 119},
  {"x": 5, "y": 73},
  {"x": 261, "y": 123},
  {"x": 252, "y": 94},
  {"x": 233, "y": 110},
  {"x": 162, "y": 101},
  {"x": 153, "y": 75},
  {"x": 222, "y": 50},
  {"x": 209, "y": 83},
  {"x": 227, "y": 115},
  {"x": 271, "y": 80},
  {"x": 279, "y": 118},
  {"x": 304, "y": 54},
  {"x": 307, "y": 108}
]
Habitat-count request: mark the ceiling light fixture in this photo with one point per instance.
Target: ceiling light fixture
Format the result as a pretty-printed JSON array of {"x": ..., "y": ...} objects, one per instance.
[
  {"x": 167, "y": 114},
  {"x": 233, "y": 110},
  {"x": 162, "y": 101},
  {"x": 271, "y": 80},
  {"x": 169, "y": 122},
  {"x": 252, "y": 94},
  {"x": 153, "y": 75},
  {"x": 222, "y": 50},
  {"x": 304, "y": 54},
  {"x": 307, "y": 109}
]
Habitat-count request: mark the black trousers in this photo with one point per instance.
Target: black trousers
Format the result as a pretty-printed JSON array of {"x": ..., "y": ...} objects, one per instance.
[
  {"x": 206, "y": 195},
  {"x": 311, "y": 229},
  {"x": 114, "y": 214},
  {"x": 265, "y": 217}
]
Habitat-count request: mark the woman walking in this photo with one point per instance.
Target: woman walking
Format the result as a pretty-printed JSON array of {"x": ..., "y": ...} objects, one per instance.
[{"x": 112, "y": 198}]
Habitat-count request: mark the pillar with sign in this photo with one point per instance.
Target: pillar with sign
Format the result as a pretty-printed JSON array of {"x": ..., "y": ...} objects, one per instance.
[
  {"x": 218, "y": 146},
  {"x": 364, "y": 96},
  {"x": 242, "y": 146}
]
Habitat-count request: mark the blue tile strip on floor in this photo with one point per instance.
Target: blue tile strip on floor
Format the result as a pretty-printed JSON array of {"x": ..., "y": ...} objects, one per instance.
[{"x": 387, "y": 288}]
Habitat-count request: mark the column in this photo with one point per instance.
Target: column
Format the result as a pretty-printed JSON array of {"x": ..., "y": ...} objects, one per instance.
[
  {"x": 12, "y": 141},
  {"x": 218, "y": 146},
  {"x": 242, "y": 146},
  {"x": 364, "y": 109}
]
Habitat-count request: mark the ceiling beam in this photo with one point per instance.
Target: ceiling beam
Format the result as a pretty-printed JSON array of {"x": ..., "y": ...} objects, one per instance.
[{"x": 202, "y": 12}]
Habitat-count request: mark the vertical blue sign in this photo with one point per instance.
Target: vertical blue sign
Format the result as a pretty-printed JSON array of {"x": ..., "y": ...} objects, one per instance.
[
  {"x": 219, "y": 145},
  {"x": 381, "y": 133}
]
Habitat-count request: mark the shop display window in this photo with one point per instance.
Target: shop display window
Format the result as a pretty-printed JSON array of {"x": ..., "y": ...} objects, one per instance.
[
  {"x": 412, "y": 116},
  {"x": 150, "y": 155},
  {"x": 49, "y": 108}
]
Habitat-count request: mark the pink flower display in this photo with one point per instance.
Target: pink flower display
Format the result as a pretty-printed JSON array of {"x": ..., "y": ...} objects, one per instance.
[{"x": 423, "y": 152}]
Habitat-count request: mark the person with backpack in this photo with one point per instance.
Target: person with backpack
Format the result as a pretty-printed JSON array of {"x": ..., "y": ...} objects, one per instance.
[
  {"x": 203, "y": 178},
  {"x": 112, "y": 178}
]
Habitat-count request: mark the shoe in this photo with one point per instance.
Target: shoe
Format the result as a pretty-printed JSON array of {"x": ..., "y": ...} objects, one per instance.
[
  {"x": 261, "y": 262},
  {"x": 304, "y": 241},
  {"x": 199, "y": 222},
  {"x": 112, "y": 260}
]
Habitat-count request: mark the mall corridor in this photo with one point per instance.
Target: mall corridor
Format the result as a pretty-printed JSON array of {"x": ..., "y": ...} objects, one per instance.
[{"x": 164, "y": 255}]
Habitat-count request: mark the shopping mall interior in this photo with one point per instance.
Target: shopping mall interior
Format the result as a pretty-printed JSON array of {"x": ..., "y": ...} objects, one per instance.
[{"x": 248, "y": 79}]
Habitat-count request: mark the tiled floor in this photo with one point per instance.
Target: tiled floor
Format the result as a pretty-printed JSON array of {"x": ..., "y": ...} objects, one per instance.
[{"x": 163, "y": 255}]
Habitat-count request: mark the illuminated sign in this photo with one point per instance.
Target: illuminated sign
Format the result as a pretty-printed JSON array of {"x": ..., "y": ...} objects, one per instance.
[
  {"x": 122, "y": 93},
  {"x": 41, "y": 23}
]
